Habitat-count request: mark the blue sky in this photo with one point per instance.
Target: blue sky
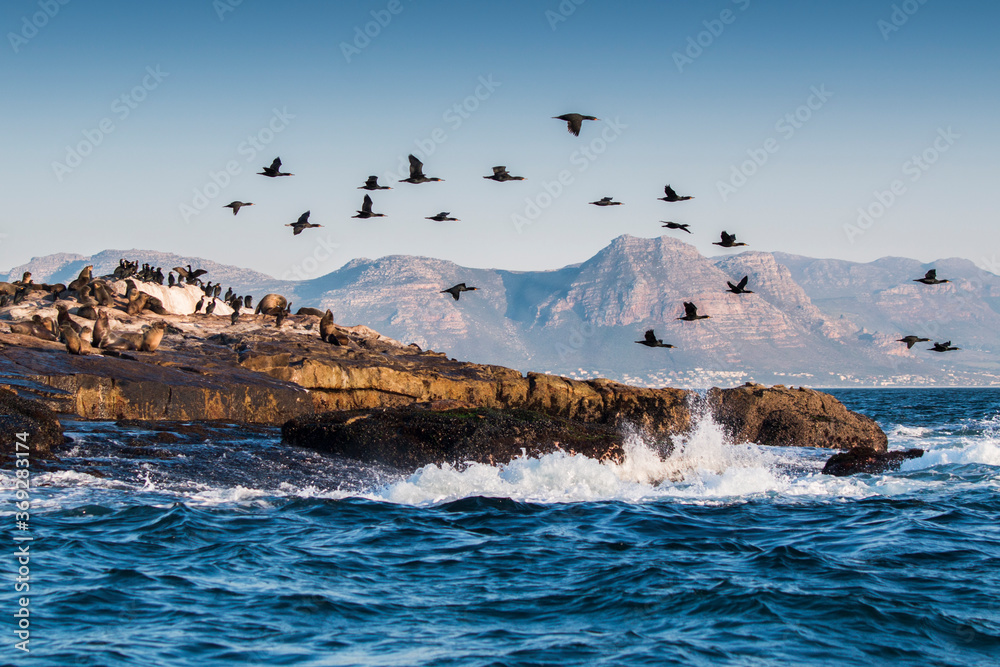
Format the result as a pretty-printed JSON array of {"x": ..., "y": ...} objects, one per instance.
[{"x": 783, "y": 119}]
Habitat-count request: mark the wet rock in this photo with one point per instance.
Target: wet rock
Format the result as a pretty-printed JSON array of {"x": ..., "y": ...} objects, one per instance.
[
  {"x": 868, "y": 460},
  {"x": 256, "y": 373},
  {"x": 793, "y": 417},
  {"x": 414, "y": 436},
  {"x": 21, "y": 415}
]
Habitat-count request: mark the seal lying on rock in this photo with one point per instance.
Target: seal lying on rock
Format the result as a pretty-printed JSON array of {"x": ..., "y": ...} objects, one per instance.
[
  {"x": 271, "y": 304},
  {"x": 32, "y": 329}
]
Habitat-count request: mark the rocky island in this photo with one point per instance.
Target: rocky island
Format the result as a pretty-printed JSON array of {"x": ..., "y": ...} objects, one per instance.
[{"x": 361, "y": 394}]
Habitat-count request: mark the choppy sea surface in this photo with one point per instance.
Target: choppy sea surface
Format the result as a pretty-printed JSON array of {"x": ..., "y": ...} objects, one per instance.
[{"x": 235, "y": 550}]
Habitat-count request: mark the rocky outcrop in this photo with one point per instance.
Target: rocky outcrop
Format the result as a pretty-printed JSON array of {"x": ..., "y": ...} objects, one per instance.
[
  {"x": 188, "y": 382},
  {"x": 793, "y": 417},
  {"x": 256, "y": 372},
  {"x": 418, "y": 435},
  {"x": 23, "y": 416},
  {"x": 868, "y": 460}
]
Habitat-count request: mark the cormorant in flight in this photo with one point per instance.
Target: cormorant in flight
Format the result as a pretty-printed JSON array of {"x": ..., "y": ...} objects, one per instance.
[
  {"x": 728, "y": 241},
  {"x": 930, "y": 278},
  {"x": 672, "y": 196},
  {"x": 458, "y": 289},
  {"x": 676, "y": 225},
  {"x": 500, "y": 174},
  {"x": 366, "y": 210},
  {"x": 237, "y": 204},
  {"x": 301, "y": 223},
  {"x": 417, "y": 172},
  {"x": 650, "y": 340},
  {"x": 442, "y": 217},
  {"x": 912, "y": 340},
  {"x": 274, "y": 170},
  {"x": 606, "y": 201},
  {"x": 691, "y": 313},
  {"x": 574, "y": 121},
  {"x": 372, "y": 184},
  {"x": 740, "y": 287}
]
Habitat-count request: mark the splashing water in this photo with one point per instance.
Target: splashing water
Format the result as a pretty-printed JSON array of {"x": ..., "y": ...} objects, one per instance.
[{"x": 700, "y": 463}]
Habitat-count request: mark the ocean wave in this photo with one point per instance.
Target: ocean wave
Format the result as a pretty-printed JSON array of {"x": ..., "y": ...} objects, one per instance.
[{"x": 985, "y": 451}]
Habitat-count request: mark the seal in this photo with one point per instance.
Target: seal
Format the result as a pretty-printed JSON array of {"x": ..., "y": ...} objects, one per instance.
[
  {"x": 63, "y": 318},
  {"x": 102, "y": 329},
  {"x": 315, "y": 312},
  {"x": 137, "y": 303},
  {"x": 327, "y": 328},
  {"x": 74, "y": 344},
  {"x": 271, "y": 304},
  {"x": 154, "y": 334}
]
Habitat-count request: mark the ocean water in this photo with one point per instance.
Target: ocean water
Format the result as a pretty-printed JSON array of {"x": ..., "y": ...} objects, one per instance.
[{"x": 230, "y": 549}]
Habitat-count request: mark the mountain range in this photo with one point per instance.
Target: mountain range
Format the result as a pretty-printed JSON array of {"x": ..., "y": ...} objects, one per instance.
[{"x": 815, "y": 322}]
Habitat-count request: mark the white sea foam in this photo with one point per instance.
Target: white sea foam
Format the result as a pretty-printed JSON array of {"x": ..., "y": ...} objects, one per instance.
[
  {"x": 985, "y": 451},
  {"x": 901, "y": 431},
  {"x": 699, "y": 467}
]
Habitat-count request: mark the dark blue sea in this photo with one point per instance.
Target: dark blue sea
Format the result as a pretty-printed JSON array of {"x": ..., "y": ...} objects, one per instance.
[{"x": 230, "y": 549}]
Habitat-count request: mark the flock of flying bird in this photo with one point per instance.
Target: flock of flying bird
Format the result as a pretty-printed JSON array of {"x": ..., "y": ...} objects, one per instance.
[{"x": 574, "y": 123}]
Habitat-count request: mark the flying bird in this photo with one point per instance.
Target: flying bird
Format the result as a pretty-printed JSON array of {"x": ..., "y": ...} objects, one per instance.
[
  {"x": 417, "y": 172},
  {"x": 372, "y": 184},
  {"x": 457, "y": 290},
  {"x": 672, "y": 196},
  {"x": 443, "y": 217},
  {"x": 740, "y": 287},
  {"x": 943, "y": 347},
  {"x": 606, "y": 201},
  {"x": 574, "y": 122},
  {"x": 500, "y": 174},
  {"x": 691, "y": 313},
  {"x": 366, "y": 210},
  {"x": 650, "y": 340},
  {"x": 301, "y": 223},
  {"x": 728, "y": 241},
  {"x": 274, "y": 170},
  {"x": 912, "y": 340},
  {"x": 236, "y": 205},
  {"x": 930, "y": 278},
  {"x": 676, "y": 225}
]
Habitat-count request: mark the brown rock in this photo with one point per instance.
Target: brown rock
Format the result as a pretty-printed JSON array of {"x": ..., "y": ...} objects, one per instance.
[
  {"x": 411, "y": 436},
  {"x": 793, "y": 417},
  {"x": 867, "y": 460},
  {"x": 20, "y": 415}
]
